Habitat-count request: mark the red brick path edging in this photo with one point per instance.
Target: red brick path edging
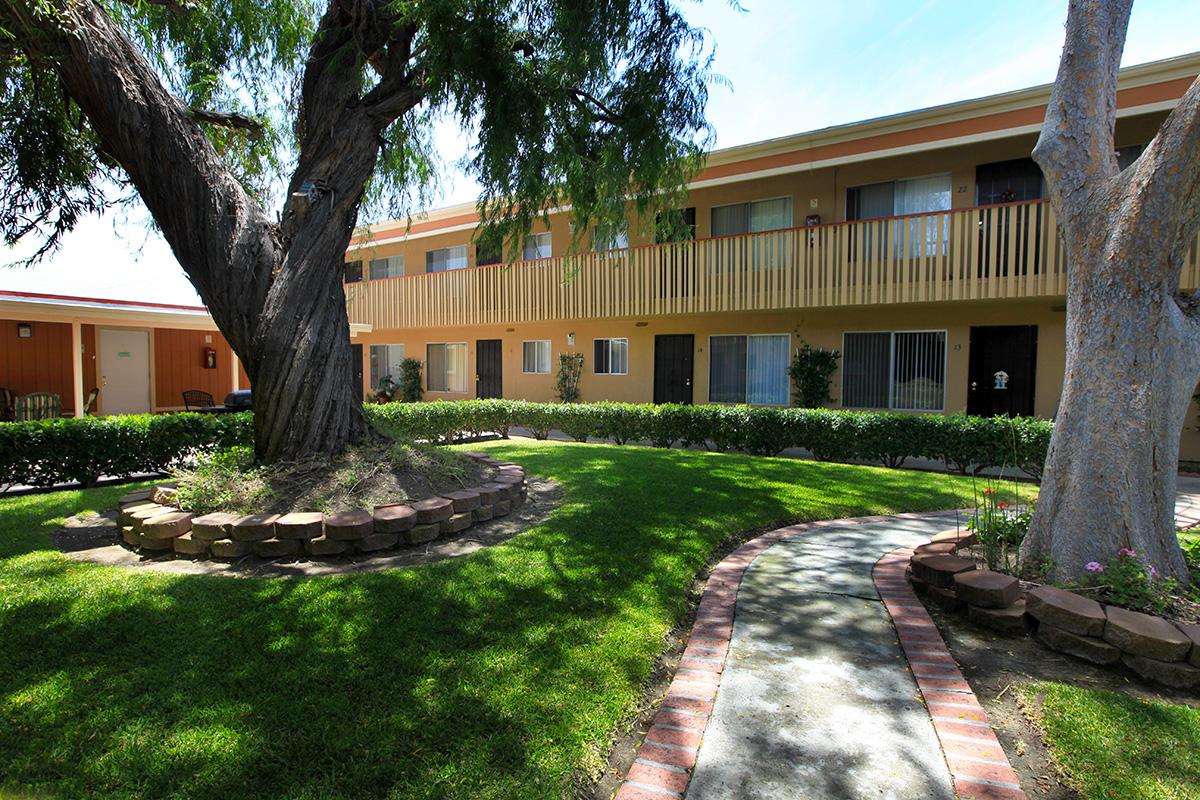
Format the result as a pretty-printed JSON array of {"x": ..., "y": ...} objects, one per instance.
[
  {"x": 664, "y": 762},
  {"x": 978, "y": 765}
]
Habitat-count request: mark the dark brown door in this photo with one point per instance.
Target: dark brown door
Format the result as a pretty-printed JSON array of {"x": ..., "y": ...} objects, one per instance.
[
  {"x": 489, "y": 380},
  {"x": 1003, "y": 368},
  {"x": 356, "y": 359},
  {"x": 673, "y": 368}
]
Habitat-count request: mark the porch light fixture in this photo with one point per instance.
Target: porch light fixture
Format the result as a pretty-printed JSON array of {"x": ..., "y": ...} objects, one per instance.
[
  {"x": 24, "y": 330},
  {"x": 570, "y": 340}
]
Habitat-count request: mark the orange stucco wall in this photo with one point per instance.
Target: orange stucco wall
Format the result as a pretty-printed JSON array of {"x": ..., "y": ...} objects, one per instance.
[
  {"x": 41, "y": 363},
  {"x": 179, "y": 366}
]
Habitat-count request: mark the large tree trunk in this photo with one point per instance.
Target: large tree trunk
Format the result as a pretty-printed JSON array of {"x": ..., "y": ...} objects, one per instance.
[
  {"x": 274, "y": 289},
  {"x": 1133, "y": 342}
]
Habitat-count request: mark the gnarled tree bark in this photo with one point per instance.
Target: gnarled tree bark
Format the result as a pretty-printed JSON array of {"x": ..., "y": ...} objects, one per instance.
[
  {"x": 1133, "y": 341},
  {"x": 274, "y": 289}
]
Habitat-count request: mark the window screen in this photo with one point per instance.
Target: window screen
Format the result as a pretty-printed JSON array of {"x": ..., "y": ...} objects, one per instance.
[
  {"x": 446, "y": 367},
  {"x": 748, "y": 369},
  {"x": 390, "y": 267},
  {"x": 445, "y": 259},
  {"x": 353, "y": 271},
  {"x": 866, "y": 369},
  {"x": 538, "y": 245},
  {"x": 919, "y": 370}
]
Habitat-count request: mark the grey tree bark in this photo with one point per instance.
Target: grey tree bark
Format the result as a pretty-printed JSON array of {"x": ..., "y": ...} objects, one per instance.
[
  {"x": 273, "y": 288},
  {"x": 1133, "y": 340}
]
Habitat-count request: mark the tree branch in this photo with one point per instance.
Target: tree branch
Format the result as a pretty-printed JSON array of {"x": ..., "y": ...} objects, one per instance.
[
  {"x": 174, "y": 6},
  {"x": 1166, "y": 177},
  {"x": 227, "y": 119},
  {"x": 1075, "y": 148},
  {"x": 578, "y": 96}
]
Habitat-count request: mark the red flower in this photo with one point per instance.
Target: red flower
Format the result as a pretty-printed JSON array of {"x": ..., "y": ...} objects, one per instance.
[
  {"x": 1003, "y": 505},
  {"x": 987, "y": 491}
]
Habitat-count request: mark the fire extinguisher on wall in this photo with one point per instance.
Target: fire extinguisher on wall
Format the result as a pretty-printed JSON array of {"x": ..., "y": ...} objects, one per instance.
[{"x": 210, "y": 358}]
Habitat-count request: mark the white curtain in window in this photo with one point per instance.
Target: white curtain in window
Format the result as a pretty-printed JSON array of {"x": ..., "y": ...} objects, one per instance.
[
  {"x": 618, "y": 356},
  {"x": 390, "y": 267},
  {"x": 456, "y": 367},
  {"x": 385, "y": 362},
  {"x": 924, "y": 196},
  {"x": 771, "y": 215},
  {"x": 535, "y": 356},
  {"x": 445, "y": 259},
  {"x": 766, "y": 370},
  {"x": 731, "y": 220},
  {"x": 537, "y": 245},
  {"x": 604, "y": 238}
]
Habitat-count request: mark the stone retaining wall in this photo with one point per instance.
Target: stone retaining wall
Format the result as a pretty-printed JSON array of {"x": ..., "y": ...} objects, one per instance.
[
  {"x": 1153, "y": 647},
  {"x": 152, "y": 522}
]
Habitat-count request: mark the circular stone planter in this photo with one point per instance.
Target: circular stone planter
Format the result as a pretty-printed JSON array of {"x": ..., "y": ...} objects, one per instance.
[
  {"x": 152, "y": 522},
  {"x": 1157, "y": 649}
]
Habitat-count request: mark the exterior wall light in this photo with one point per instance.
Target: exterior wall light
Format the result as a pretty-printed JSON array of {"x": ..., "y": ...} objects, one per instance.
[{"x": 24, "y": 330}]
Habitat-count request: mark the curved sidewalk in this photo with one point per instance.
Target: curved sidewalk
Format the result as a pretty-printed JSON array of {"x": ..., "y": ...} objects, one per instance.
[{"x": 808, "y": 693}]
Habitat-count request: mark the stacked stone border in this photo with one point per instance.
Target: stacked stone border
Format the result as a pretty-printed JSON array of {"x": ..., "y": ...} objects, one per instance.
[
  {"x": 1153, "y": 647},
  {"x": 152, "y": 522},
  {"x": 662, "y": 768},
  {"x": 978, "y": 764}
]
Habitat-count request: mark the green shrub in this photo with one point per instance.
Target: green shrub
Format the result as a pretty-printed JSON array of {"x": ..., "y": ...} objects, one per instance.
[
  {"x": 570, "y": 367},
  {"x": 811, "y": 370},
  {"x": 410, "y": 381},
  {"x": 46, "y": 452}
]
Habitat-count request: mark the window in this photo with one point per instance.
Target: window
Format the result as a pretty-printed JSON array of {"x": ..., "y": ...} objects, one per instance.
[
  {"x": 903, "y": 370},
  {"x": 385, "y": 363},
  {"x": 446, "y": 367},
  {"x": 676, "y": 225},
  {"x": 535, "y": 357},
  {"x": 611, "y": 357},
  {"x": 1007, "y": 182},
  {"x": 749, "y": 369},
  {"x": 537, "y": 245},
  {"x": 488, "y": 252},
  {"x": 390, "y": 267},
  {"x": 353, "y": 271},
  {"x": 609, "y": 238},
  {"x": 446, "y": 259},
  {"x": 1128, "y": 154},
  {"x": 926, "y": 195},
  {"x": 761, "y": 215}
]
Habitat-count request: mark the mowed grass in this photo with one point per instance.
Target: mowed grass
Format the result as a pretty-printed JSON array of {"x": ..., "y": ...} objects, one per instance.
[
  {"x": 498, "y": 675},
  {"x": 1115, "y": 747}
]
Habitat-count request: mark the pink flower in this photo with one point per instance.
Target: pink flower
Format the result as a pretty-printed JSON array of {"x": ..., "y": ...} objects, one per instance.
[
  {"x": 1094, "y": 566},
  {"x": 1125, "y": 551},
  {"x": 1153, "y": 572}
]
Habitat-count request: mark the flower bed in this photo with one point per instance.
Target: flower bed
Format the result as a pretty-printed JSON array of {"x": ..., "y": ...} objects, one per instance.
[
  {"x": 152, "y": 522},
  {"x": 1155, "y": 648}
]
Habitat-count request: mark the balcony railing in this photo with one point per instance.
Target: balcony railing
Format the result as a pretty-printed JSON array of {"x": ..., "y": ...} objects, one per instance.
[{"x": 1002, "y": 251}]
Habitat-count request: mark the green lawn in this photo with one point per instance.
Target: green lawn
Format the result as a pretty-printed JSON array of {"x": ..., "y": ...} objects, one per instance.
[
  {"x": 498, "y": 675},
  {"x": 1115, "y": 747}
]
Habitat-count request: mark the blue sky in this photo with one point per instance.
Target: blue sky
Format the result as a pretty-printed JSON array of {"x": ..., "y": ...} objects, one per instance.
[{"x": 793, "y": 65}]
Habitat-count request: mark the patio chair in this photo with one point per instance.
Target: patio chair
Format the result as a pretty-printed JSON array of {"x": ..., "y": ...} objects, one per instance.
[
  {"x": 90, "y": 403},
  {"x": 38, "y": 405},
  {"x": 8, "y": 403},
  {"x": 194, "y": 400}
]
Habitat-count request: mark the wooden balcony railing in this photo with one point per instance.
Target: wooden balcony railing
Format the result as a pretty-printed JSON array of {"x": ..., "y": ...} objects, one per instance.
[{"x": 1002, "y": 251}]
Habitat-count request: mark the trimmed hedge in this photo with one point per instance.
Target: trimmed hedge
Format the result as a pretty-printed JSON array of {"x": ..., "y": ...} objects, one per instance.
[
  {"x": 966, "y": 444},
  {"x": 46, "y": 452}
]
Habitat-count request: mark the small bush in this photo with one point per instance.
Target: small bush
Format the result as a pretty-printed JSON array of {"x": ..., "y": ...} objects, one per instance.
[
  {"x": 1129, "y": 581},
  {"x": 999, "y": 530},
  {"x": 811, "y": 371},
  {"x": 410, "y": 381},
  {"x": 570, "y": 367}
]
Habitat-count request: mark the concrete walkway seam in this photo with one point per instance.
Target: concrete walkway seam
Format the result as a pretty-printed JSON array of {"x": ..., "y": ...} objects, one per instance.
[
  {"x": 663, "y": 766},
  {"x": 978, "y": 764}
]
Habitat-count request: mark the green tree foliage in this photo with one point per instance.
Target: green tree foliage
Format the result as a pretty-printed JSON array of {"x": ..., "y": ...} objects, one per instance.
[
  {"x": 811, "y": 371},
  {"x": 595, "y": 101}
]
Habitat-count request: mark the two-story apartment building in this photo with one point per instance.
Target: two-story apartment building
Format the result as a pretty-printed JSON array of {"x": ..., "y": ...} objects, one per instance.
[{"x": 919, "y": 245}]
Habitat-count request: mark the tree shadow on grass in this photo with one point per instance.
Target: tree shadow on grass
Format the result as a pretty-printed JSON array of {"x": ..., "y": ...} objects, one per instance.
[{"x": 494, "y": 676}]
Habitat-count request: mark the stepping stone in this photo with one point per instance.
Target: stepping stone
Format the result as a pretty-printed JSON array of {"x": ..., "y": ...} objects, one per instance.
[
  {"x": 104, "y": 523},
  {"x": 324, "y": 546},
  {"x": 1085, "y": 647},
  {"x": 508, "y": 479},
  {"x": 1066, "y": 611},
  {"x": 940, "y": 570},
  {"x": 1181, "y": 676},
  {"x": 458, "y": 522},
  {"x": 1193, "y": 633},
  {"x": 299, "y": 525},
  {"x": 483, "y": 513},
  {"x": 349, "y": 525},
  {"x": 501, "y": 508},
  {"x": 136, "y": 496},
  {"x": 189, "y": 545},
  {"x": 130, "y": 536},
  {"x": 987, "y": 589},
  {"x": 228, "y": 548},
  {"x": 433, "y": 509},
  {"x": 464, "y": 500},
  {"x": 154, "y": 543},
  {"x": 164, "y": 495},
  {"x": 167, "y": 526},
  {"x": 213, "y": 526},
  {"x": 377, "y": 541},
  {"x": 512, "y": 469},
  {"x": 1005, "y": 620},
  {"x": 505, "y": 491},
  {"x": 488, "y": 494},
  {"x": 937, "y": 549},
  {"x": 396, "y": 518},
  {"x": 1146, "y": 636},
  {"x": 420, "y": 534},
  {"x": 276, "y": 548},
  {"x": 133, "y": 515},
  {"x": 475, "y": 454},
  {"x": 946, "y": 598},
  {"x": 254, "y": 528},
  {"x": 960, "y": 536}
]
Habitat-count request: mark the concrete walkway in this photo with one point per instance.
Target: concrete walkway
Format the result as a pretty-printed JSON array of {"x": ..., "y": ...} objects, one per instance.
[{"x": 815, "y": 700}]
